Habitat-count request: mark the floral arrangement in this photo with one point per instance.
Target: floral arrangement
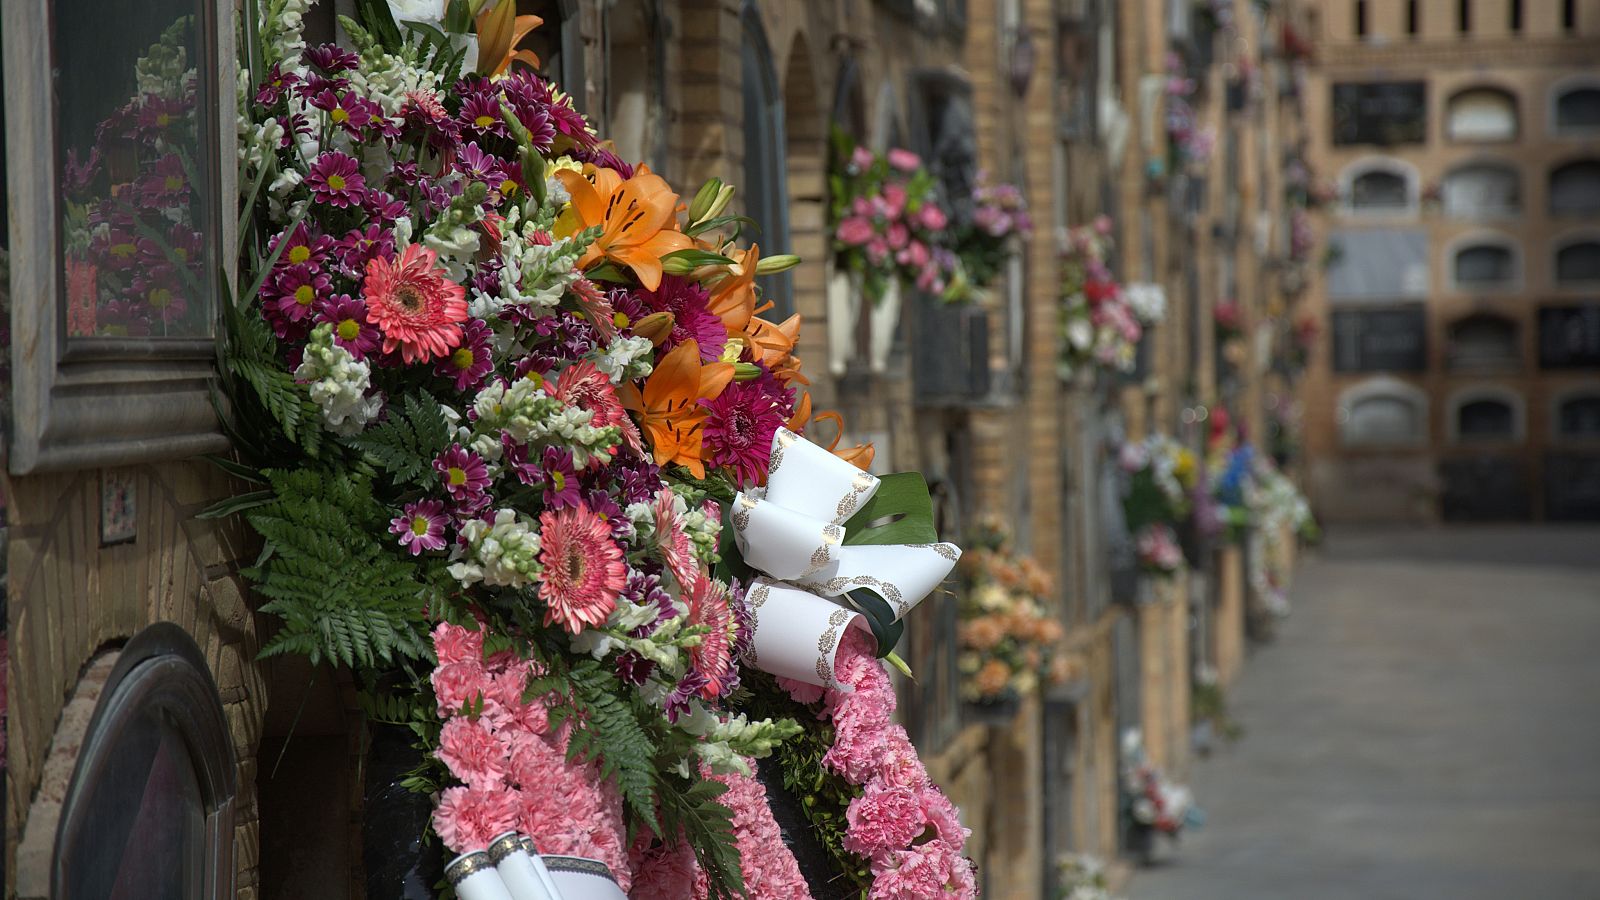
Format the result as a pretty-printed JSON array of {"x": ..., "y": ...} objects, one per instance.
[
  {"x": 1190, "y": 143},
  {"x": 1081, "y": 876},
  {"x": 887, "y": 222},
  {"x": 1161, "y": 478},
  {"x": 1228, "y": 318},
  {"x": 999, "y": 222},
  {"x": 1098, "y": 326},
  {"x": 1154, "y": 803},
  {"x": 1278, "y": 510},
  {"x": 133, "y": 220},
  {"x": 1007, "y": 637},
  {"x": 1208, "y": 705},
  {"x": 506, "y": 405}
]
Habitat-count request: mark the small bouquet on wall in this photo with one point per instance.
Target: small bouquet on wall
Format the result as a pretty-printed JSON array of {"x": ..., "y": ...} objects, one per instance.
[
  {"x": 1009, "y": 640},
  {"x": 1098, "y": 326},
  {"x": 1081, "y": 876},
  {"x": 1190, "y": 144},
  {"x": 999, "y": 224},
  {"x": 1152, "y": 803},
  {"x": 1279, "y": 513},
  {"x": 886, "y": 220},
  {"x": 527, "y": 458},
  {"x": 1161, "y": 476}
]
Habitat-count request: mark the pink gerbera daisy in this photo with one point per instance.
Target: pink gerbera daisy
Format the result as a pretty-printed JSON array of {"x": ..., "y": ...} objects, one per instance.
[
  {"x": 672, "y": 542},
  {"x": 414, "y": 305},
  {"x": 586, "y": 387},
  {"x": 420, "y": 526},
  {"x": 583, "y": 567},
  {"x": 713, "y": 657}
]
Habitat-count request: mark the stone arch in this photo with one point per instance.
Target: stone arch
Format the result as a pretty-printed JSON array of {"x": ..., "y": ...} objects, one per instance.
[
  {"x": 635, "y": 101},
  {"x": 1379, "y": 185},
  {"x": 1483, "y": 341},
  {"x": 1482, "y": 188},
  {"x": 1575, "y": 106},
  {"x": 1481, "y": 114},
  {"x": 1576, "y": 260},
  {"x": 1574, "y": 188},
  {"x": 1484, "y": 261},
  {"x": 1383, "y": 412},
  {"x": 1486, "y": 413}
]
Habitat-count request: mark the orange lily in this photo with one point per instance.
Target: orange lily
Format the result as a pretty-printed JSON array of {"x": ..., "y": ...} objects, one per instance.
[
  {"x": 802, "y": 413},
  {"x": 637, "y": 219},
  {"x": 733, "y": 299},
  {"x": 773, "y": 345},
  {"x": 669, "y": 407},
  {"x": 859, "y": 456},
  {"x": 499, "y": 31}
]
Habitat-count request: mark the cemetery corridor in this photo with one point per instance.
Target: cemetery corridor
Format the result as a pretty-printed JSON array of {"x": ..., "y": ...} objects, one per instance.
[{"x": 1425, "y": 725}]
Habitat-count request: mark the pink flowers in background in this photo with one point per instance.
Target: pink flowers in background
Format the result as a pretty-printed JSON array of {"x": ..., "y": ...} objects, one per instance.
[
  {"x": 898, "y": 804},
  {"x": 514, "y": 771},
  {"x": 887, "y": 222},
  {"x": 1158, "y": 549}
]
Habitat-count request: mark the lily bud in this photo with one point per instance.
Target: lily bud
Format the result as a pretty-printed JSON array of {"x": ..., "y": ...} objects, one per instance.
[
  {"x": 743, "y": 371},
  {"x": 703, "y": 198},
  {"x": 719, "y": 205},
  {"x": 656, "y": 326},
  {"x": 772, "y": 265},
  {"x": 676, "y": 266}
]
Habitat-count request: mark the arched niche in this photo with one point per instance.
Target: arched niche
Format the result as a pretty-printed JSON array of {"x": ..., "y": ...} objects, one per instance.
[
  {"x": 1487, "y": 414},
  {"x": 1484, "y": 342},
  {"x": 1484, "y": 262},
  {"x": 1383, "y": 412},
  {"x": 1575, "y": 188},
  {"x": 1577, "y": 262},
  {"x": 635, "y": 86},
  {"x": 1577, "y": 416},
  {"x": 1481, "y": 115},
  {"x": 1575, "y": 106},
  {"x": 765, "y": 188},
  {"x": 1482, "y": 189},
  {"x": 1380, "y": 186}
]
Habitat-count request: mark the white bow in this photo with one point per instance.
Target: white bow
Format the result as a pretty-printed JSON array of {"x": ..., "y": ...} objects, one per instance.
[{"x": 792, "y": 531}]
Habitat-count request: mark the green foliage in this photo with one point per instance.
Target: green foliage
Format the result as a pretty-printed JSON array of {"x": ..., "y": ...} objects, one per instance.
[
  {"x": 608, "y": 731},
  {"x": 693, "y": 807},
  {"x": 406, "y": 443},
  {"x": 901, "y": 512},
  {"x": 343, "y": 595}
]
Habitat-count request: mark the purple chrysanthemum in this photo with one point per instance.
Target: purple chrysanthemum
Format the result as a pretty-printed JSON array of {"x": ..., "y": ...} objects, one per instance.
[
  {"x": 360, "y": 246},
  {"x": 272, "y": 87},
  {"x": 560, "y": 479},
  {"x": 463, "y": 474},
  {"x": 691, "y": 320},
  {"x": 335, "y": 179},
  {"x": 471, "y": 361},
  {"x": 331, "y": 58},
  {"x": 351, "y": 330},
  {"x": 420, "y": 526},
  {"x": 347, "y": 110},
  {"x": 480, "y": 114},
  {"x": 302, "y": 246},
  {"x": 297, "y": 289},
  {"x": 739, "y": 427}
]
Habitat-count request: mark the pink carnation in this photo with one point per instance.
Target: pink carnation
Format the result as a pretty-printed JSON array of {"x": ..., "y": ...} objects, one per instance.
[
  {"x": 926, "y": 872},
  {"x": 904, "y": 160},
  {"x": 770, "y": 870},
  {"x": 854, "y": 231},
  {"x": 472, "y": 753},
  {"x": 662, "y": 870},
  {"x": 455, "y": 684},
  {"x": 467, "y": 819},
  {"x": 898, "y": 763},
  {"x": 456, "y": 644},
  {"x": 883, "y": 819}
]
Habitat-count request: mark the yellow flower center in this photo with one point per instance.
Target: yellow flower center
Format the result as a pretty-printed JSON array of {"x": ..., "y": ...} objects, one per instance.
[
  {"x": 349, "y": 329},
  {"x": 160, "y": 298},
  {"x": 123, "y": 251},
  {"x": 303, "y": 295},
  {"x": 620, "y": 320},
  {"x": 173, "y": 182},
  {"x": 419, "y": 525},
  {"x": 508, "y": 187},
  {"x": 339, "y": 115},
  {"x": 456, "y": 475},
  {"x": 299, "y": 254},
  {"x": 558, "y": 481},
  {"x": 163, "y": 119},
  {"x": 180, "y": 254},
  {"x": 483, "y": 121},
  {"x": 535, "y": 377},
  {"x": 462, "y": 358},
  {"x": 336, "y": 182}
]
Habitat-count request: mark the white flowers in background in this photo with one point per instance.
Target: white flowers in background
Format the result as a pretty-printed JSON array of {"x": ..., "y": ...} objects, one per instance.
[
  {"x": 1081, "y": 876},
  {"x": 1147, "y": 300},
  {"x": 338, "y": 383},
  {"x": 502, "y": 553}
]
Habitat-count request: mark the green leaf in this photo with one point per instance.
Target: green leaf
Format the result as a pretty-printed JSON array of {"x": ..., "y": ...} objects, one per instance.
[
  {"x": 901, "y": 512},
  {"x": 236, "y": 469},
  {"x": 880, "y": 617},
  {"x": 406, "y": 443},
  {"x": 236, "y": 504},
  {"x": 697, "y": 258}
]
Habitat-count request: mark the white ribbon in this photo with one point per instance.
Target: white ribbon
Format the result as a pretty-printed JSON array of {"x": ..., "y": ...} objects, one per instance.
[{"x": 792, "y": 531}]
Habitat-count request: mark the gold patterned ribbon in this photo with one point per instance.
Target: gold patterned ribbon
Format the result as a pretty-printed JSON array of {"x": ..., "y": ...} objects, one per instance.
[{"x": 792, "y": 531}]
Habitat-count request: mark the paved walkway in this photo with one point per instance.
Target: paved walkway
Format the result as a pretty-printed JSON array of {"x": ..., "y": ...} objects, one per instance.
[{"x": 1427, "y": 725}]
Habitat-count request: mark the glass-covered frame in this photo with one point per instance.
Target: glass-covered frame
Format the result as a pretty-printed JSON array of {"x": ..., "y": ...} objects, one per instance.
[{"x": 83, "y": 402}]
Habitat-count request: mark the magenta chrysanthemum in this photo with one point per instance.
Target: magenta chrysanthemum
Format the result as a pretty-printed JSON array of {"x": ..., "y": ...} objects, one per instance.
[
  {"x": 348, "y": 316},
  {"x": 468, "y": 364},
  {"x": 462, "y": 473},
  {"x": 691, "y": 320},
  {"x": 583, "y": 568},
  {"x": 335, "y": 179},
  {"x": 420, "y": 526}
]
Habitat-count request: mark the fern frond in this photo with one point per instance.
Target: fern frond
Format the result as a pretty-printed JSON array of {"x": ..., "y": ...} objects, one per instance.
[{"x": 406, "y": 442}]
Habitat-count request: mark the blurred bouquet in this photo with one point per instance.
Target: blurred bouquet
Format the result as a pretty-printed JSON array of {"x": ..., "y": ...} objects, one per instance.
[
  {"x": 1153, "y": 801},
  {"x": 1161, "y": 477},
  {"x": 886, "y": 220},
  {"x": 1098, "y": 325},
  {"x": 1007, "y": 637},
  {"x": 999, "y": 223},
  {"x": 1081, "y": 876}
]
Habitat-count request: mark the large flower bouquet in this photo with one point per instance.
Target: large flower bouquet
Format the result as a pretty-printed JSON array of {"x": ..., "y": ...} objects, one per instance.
[
  {"x": 514, "y": 422},
  {"x": 1008, "y": 638},
  {"x": 886, "y": 220},
  {"x": 1154, "y": 803},
  {"x": 999, "y": 223},
  {"x": 1161, "y": 477},
  {"x": 1098, "y": 326}
]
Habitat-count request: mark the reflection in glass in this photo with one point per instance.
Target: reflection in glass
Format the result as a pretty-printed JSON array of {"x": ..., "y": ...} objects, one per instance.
[{"x": 135, "y": 156}]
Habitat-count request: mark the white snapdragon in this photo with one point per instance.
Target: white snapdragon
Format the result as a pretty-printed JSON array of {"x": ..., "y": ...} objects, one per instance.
[
  {"x": 338, "y": 383},
  {"x": 531, "y": 416},
  {"x": 282, "y": 25},
  {"x": 501, "y": 553},
  {"x": 258, "y": 142},
  {"x": 625, "y": 359}
]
